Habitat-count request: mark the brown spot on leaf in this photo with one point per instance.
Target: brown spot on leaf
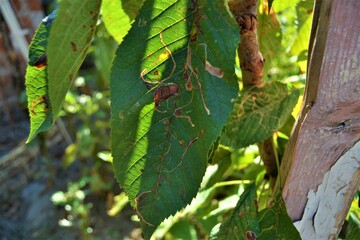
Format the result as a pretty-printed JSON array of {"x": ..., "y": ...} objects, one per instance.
[
  {"x": 41, "y": 61},
  {"x": 73, "y": 46},
  {"x": 250, "y": 235},
  {"x": 37, "y": 101},
  {"x": 241, "y": 214},
  {"x": 188, "y": 85},
  {"x": 165, "y": 92},
  {"x": 193, "y": 37}
]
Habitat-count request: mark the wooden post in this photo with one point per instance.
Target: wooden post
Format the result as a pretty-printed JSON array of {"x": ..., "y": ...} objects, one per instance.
[{"x": 315, "y": 173}]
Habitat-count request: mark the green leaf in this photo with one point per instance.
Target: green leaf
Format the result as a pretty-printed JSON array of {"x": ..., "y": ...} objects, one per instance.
[
  {"x": 354, "y": 228},
  {"x": 36, "y": 81},
  {"x": 118, "y": 16},
  {"x": 283, "y": 5},
  {"x": 269, "y": 35},
  {"x": 182, "y": 230},
  {"x": 302, "y": 40},
  {"x": 222, "y": 162},
  {"x": 304, "y": 11},
  {"x": 160, "y": 153},
  {"x": 258, "y": 113},
  {"x": 243, "y": 222},
  {"x": 69, "y": 40},
  {"x": 275, "y": 222},
  {"x": 104, "y": 53}
]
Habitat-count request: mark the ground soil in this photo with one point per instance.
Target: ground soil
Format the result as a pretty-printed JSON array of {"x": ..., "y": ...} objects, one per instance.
[{"x": 26, "y": 187}]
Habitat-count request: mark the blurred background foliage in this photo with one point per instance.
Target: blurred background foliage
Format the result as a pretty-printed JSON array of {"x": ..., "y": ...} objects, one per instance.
[{"x": 283, "y": 35}]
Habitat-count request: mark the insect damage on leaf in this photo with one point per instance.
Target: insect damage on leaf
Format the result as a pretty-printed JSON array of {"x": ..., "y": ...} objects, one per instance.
[
  {"x": 217, "y": 72},
  {"x": 160, "y": 161},
  {"x": 41, "y": 61},
  {"x": 189, "y": 71},
  {"x": 37, "y": 103},
  {"x": 164, "y": 92}
]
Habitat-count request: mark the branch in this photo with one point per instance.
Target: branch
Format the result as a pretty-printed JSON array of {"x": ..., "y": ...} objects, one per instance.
[
  {"x": 252, "y": 65},
  {"x": 251, "y": 60}
]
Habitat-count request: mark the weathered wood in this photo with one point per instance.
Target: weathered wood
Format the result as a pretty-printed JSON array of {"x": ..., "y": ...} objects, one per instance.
[{"x": 329, "y": 123}]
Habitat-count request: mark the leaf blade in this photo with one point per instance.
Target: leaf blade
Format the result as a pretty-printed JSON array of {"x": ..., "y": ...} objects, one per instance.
[
  {"x": 243, "y": 222},
  {"x": 275, "y": 223},
  {"x": 36, "y": 81},
  {"x": 118, "y": 16},
  {"x": 160, "y": 152},
  {"x": 69, "y": 40},
  {"x": 259, "y": 112}
]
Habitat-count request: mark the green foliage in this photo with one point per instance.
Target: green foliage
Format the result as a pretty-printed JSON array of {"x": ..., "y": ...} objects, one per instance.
[
  {"x": 258, "y": 113},
  {"x": 78, "y": 211},
  {"x": 354, "y": 227},
  {"x": 295, "y": 19},
  {"x": 118, "y": 15},
  {"x": 160, "y": 152},
  {"x": 172, "y": 90},
  {"x": 243, "y": 221},
  {"x": 72, "y": 33},
  {"x": 246, "y": 222},
  {"x": 36, "y": 81},
  {"x": 275, "y": 222},
  {"x": 269, "y": 37}
]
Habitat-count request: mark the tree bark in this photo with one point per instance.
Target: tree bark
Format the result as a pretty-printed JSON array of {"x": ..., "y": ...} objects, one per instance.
[
  {"x": 314, "y": 174},
  {"x": 251, "y": 60}
]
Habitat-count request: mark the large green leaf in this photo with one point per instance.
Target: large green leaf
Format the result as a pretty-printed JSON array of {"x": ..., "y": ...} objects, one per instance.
[
  {"x": 70, "y": 37},
  {"x": 275, "y": 223},
  {"x": 160, "y": 153},
  {"x": 118, "y": 16},
  {"x": 258, "y": 113},
  {"x": 243, "y": 222},
  {"x": 36, "y": 81}
]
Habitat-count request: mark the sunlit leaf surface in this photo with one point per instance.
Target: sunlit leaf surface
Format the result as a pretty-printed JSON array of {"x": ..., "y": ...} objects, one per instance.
[
  {"x": 171, "y": 88},
  {"x": 118, "y": 16},
  {"x": 258, "y": 113},
  {"x": 36, "y": 80}
]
